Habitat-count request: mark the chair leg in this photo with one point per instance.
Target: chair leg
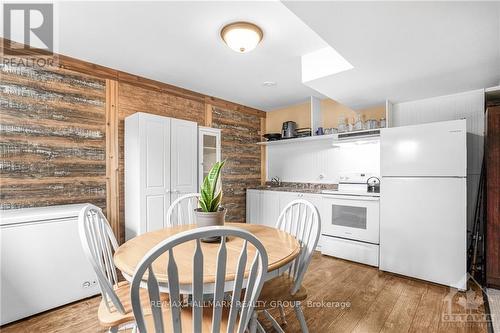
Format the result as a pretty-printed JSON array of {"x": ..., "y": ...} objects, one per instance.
[
  {"x": 253, "y": 323},
  {"x": 273, "y": 321},
  {"x": 282, "y": 314},
  {"x": 300, "y": 317}
]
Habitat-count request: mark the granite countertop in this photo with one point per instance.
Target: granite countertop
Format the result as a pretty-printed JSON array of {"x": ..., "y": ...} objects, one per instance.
[{"x": 296, "y": 187}]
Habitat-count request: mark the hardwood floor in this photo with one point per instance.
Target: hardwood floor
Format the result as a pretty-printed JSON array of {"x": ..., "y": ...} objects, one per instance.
[{"x": 342, "y": 297}]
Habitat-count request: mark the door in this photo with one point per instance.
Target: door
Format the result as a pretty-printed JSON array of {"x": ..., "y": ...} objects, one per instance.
[
  {"x": 435, "y": 149},
  {"x": 423, "y": 229},
  {"x": 286, "y": 197},
  {"x": 492, "y": 161},
  {"x": 253, "y": 207},
  {"x": 351, "y": 217},
  {"x": 183, "y": 157},
  {"x": 209, "y": 150},
  {"x": 270, "y": 208},
  {"x": 155, "y": 173},
  {"x": 316, "y": 201}
]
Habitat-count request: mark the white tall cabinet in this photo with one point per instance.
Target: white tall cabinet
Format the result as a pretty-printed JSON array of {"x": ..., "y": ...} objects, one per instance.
[{"x": 161, "y": 163}]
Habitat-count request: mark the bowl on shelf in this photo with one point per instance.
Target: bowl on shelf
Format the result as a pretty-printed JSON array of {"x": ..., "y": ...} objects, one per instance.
[{"x": 272, "y": 136}]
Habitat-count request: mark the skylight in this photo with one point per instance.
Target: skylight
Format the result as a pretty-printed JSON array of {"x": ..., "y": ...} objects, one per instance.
[{"x": 321, "y": 63}]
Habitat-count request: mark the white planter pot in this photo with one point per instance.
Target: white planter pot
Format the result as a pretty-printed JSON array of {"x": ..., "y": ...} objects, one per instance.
[{"x": 210, "y": 219}]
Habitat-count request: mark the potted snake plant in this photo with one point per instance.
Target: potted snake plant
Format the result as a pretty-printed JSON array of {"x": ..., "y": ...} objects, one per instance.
[{"x": 210, "y": 212}]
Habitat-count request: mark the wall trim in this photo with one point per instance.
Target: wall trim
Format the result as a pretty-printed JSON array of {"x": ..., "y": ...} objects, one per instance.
[{"x": 112, "y": 158}]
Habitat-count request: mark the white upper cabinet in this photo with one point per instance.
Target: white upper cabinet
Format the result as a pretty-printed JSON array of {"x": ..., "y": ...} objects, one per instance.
[
  {"x": 209, "y": 150},
  {"x": 160, "y": 164}
]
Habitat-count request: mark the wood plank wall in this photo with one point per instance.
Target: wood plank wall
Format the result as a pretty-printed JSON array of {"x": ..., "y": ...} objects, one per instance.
[
  {"x": 239, "y": 132},
  {"x": 52, "y": 148},
  {"x": 62, "y": 134},
  {"x": 132, "y": 99}
]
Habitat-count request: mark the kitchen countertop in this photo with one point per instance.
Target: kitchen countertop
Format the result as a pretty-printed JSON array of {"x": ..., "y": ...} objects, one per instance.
[
  {"x": 297, "y": 187},
  {"x": 286, "y": 189}
]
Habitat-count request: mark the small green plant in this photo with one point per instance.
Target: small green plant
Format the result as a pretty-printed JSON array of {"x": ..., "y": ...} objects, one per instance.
[{"x": 211, "y": 190}]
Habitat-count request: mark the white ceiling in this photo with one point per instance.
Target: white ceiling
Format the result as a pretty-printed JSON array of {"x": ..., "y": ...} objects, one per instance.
[
  {"x": 400, "y": 51},
  {"x": 179, "y": 43},
  {"x": 406, "y": 50}
]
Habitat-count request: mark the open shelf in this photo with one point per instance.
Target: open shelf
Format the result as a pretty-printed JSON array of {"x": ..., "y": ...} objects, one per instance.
[
  {"x": 331, "y": 137},
  {"x": 294, "y": 140},
  {"x": 344, "y": 136}
]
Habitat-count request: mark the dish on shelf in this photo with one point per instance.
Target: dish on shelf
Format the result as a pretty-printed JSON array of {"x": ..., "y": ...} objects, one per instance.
[
  {"x": 272, "y": 136},
  {"x": 302, "y": 132}
]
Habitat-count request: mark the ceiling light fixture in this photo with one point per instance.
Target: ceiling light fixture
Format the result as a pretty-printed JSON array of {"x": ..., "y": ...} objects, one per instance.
[{"x": 241, "y": 37}]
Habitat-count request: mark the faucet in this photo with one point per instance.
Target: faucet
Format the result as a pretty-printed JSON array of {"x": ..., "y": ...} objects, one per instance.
[{"x": 276, "y": 181}]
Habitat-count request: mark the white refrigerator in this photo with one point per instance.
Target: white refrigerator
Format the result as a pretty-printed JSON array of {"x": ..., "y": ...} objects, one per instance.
[{"x": 423, "y": 202}]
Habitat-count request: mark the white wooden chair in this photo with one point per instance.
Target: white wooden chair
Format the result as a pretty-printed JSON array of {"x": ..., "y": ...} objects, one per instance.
[
  {"x": 99, "y": 244},
  {"x": 173, "y": 317},
  {"x": 181, "y": 211},
  {"x": 301, "y": 219}
]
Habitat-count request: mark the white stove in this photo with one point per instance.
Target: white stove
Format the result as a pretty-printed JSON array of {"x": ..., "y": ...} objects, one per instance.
[{"x": 351, "y": 222}]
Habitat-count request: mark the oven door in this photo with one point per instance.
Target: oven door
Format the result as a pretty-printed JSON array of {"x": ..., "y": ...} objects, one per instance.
[{"x": 351, "y": 217}]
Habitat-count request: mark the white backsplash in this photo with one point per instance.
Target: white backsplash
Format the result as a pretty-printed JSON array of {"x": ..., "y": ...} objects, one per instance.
[{"x": 306, "y": 162}]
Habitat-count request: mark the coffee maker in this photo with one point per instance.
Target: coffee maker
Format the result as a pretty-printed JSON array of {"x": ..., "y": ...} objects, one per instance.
[{"x": 289, "y": 130}]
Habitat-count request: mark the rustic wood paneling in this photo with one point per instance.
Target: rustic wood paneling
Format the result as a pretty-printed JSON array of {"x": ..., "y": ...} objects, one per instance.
[
  {"x": 132, "y": 99},
  {"x": 239, "y": 132},
  {"x": 208, "y": 115},
  {"x": 54, "y": 123},
  {"x": 52, "y": 148}
]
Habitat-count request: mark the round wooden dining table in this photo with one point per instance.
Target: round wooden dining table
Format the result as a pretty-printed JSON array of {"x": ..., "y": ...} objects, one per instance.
[{"x": 281, "y": 249}]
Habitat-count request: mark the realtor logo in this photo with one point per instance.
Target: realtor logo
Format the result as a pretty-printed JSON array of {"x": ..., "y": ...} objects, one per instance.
[
  {"x": 30, "y": 24},
  {"x": 466, "y": 307}
]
